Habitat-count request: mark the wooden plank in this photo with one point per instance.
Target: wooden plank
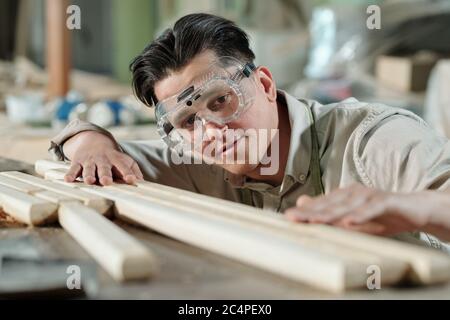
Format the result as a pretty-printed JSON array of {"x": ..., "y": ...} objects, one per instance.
[
  {"x": 123, "y": 257},
  {"x": 98, "y": 203},
  {"x": 34, "y": 190},
  {"x": 55, "y": 174},
  {"x": 18, "y": 185},
  {"x": 26, "y": 208},
  {"x": 52, "y": 196},
  {"x": 41, "y": 166}
]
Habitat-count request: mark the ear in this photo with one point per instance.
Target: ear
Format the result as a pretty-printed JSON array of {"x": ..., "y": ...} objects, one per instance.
[{"x": 266, "y": 82}]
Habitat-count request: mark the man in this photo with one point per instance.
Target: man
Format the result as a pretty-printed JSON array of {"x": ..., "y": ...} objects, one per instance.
[{"x": 201, "y": 78}]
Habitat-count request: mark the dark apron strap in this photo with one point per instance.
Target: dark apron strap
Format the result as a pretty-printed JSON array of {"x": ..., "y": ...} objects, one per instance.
[
  {"x": 314, "y": 166},
  {"x": 316, "y": 175},
  {"x": 247, "y": 197}
]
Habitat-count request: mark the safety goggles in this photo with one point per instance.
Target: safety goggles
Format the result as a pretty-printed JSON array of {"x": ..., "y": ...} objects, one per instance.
[{"x": 220, "y": 96}]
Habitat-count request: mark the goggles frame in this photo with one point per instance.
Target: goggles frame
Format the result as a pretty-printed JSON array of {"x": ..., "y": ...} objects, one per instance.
[{"x": 187, "y": 97}]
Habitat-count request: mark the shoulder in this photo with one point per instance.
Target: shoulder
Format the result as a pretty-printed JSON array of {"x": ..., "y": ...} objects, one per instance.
[
  {"x": 360, "y": 120},
  {"x": 365, "y": 134},
  {"x": 357, "y": 114}
]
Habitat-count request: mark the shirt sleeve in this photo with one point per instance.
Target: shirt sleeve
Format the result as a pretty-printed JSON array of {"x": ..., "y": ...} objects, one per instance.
[
  {"x": 402, "y": 153},
  {"x": 72, "y": 129}
]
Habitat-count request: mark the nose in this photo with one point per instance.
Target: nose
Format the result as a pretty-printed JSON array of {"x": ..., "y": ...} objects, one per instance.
[
  {"x": 214, "y": 130},
  {"x": 213, "y": 125}
]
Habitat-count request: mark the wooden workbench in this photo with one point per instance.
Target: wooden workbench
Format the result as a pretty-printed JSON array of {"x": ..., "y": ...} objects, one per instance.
[{"x": 190, "y": 273}]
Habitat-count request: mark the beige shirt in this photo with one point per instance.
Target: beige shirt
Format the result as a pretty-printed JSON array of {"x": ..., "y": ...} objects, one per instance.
[{"x": 376, "y": 145}]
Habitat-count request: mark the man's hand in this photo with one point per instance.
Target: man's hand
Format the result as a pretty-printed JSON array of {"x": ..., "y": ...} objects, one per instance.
[
  {"x": 96, "y": 158},
  {"x": 366, "y": 210}
]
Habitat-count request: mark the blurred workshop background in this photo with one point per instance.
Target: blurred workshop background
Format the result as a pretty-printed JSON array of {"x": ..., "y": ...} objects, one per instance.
[{"x": 326, "y": 50}]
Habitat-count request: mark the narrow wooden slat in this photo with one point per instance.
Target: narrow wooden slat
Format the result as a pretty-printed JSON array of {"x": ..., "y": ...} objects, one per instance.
[
  {"x": 34, "y": 190},
  {"x": 55, "y": 174},
  {"x": 123, "y": 257},
  {"x": 52, "y": 196},
  {"x": 26, "y": 208},
  {"x": 18, "y": 185},
  {"x": 98, "y": 203},
  {"x": 41, "y": 166}
]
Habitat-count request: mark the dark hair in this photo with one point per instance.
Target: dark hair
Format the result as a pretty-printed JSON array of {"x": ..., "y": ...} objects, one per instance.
[{"x": 175, "y": 48}]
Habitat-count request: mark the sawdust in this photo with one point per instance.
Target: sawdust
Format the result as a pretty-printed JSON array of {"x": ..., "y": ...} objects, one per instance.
[{"x": 8, "y": 222}]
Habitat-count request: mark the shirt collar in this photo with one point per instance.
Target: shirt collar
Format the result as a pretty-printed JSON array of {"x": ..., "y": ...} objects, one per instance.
[{"x": 299, "y": 156}]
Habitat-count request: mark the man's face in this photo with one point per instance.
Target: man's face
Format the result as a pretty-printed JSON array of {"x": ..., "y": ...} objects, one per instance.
[{"x": 258, "y": 122}]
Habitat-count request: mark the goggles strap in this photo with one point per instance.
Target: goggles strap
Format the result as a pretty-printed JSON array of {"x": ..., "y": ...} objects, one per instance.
[
  {"x": 245, "y": 72},
  {"x": 248, "y": 69}
]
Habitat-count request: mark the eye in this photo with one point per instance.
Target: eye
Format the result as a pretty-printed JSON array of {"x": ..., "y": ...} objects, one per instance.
[
  {"x": 189, "y": 122},
  {"x": 222, "y": 99},
  {"x": 220, "y": 102}
]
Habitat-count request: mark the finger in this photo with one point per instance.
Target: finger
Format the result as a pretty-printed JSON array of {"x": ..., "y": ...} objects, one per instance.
[
  {"x": 104, "y": 174},
  {"x": 296, "y": 215},
  {"x": 125, "y": 172},
  {"x": 89, "y": 172},
  {"x": 73, "y": 173},
  {"x": 137, "y": 171}
]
